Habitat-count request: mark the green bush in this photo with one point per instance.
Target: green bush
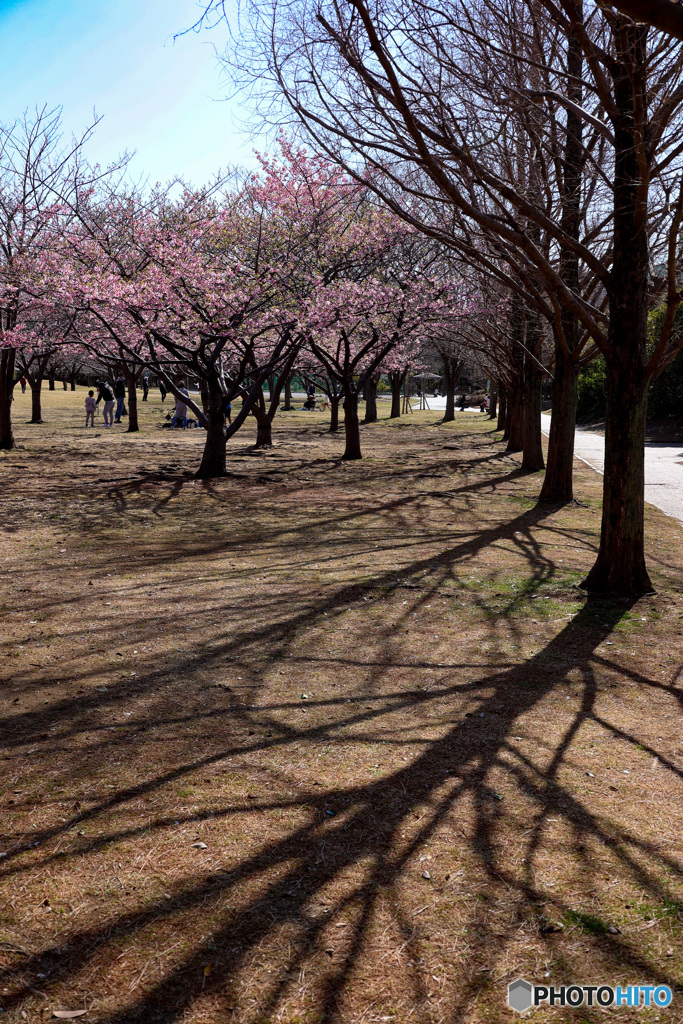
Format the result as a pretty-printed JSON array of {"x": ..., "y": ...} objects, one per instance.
[
  {"x": 592, "y": 392},
  {"x": 665, "y": 396}
]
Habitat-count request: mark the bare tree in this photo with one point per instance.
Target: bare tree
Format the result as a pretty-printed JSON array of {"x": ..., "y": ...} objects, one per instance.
[{"x": 390, "y": 91}]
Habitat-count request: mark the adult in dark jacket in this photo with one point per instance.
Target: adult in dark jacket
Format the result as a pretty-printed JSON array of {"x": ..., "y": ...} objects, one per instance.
[
  {"x": 106, "y": 396},
  {"x": 120, "y": 395}
]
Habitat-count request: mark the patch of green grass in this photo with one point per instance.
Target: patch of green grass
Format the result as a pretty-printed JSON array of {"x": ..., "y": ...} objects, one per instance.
[
  {"x": 591, "y": 924},
  {"x": 666, "y": 909}
]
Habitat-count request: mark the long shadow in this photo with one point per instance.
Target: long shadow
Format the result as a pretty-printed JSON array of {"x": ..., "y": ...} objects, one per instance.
[{"x": 370, "y": 840}]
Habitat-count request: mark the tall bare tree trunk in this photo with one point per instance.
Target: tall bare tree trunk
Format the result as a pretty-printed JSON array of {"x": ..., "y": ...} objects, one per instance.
[
  {"x": 558, "y": 485},
  {"x": 620, "y": 564},
  {"x": 493, "y": 404},
  {"x": 532, "y": 444},
  {"x": 502, "y": 409}
]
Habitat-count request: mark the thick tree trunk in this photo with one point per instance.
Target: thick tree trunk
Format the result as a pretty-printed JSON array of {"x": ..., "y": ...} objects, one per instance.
[
  {"x": 334, "y": 414},
  {"x": 133, "y": 427},
  {"x": 502, "y": 410},
  {"x": 287, "y": 407},
  {"x": 205, "y": 396},
  {"x": 558, "y": 483},
  {"x": 513, "y": 426},
  {"x": 264, "y": 428},
  {"x": 65, "y": 385},
  {"x": 371, "y": 400},
  {"x": 532, "y": 443},
  {"x": 36, "y": 410},
  {"x": 51, "y": 382},
  {"x": 396, "y": 380},
  {"x": 620, "y": 565},
  {"x": 493, "y": 404},
  {"x": 352, "y": 428},
  {"x": 73, "y": 382},
  {"x": 452, "y": 369},
  {"x": 532, "y": 438},
  {"x": 213, "y": 456},
  {"x": 7, "y": 361}
]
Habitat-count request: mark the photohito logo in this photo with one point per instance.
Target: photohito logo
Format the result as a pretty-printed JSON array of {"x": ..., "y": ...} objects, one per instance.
[{"x": 522, "y": 995}]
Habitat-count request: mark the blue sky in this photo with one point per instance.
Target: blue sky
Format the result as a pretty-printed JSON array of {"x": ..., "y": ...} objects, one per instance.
[{"x": 160, "y": 97}]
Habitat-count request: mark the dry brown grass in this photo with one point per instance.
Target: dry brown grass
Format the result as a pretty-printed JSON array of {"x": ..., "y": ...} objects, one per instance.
[{"x": 421, "y": 763}]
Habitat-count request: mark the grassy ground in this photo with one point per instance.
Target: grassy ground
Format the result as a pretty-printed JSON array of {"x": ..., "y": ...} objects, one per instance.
[{"x": 322, "y": 741}]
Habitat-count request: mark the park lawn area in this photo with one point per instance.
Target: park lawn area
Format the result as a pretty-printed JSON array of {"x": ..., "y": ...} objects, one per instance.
[{"x": 321, "y": 742}]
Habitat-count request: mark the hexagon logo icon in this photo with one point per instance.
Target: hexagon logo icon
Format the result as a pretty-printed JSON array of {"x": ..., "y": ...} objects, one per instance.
[{"x": 520, "y": 995}]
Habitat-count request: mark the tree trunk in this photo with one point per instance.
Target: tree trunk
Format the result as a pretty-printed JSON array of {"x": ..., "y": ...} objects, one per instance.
[
  {"x": 205, "y": 396},
  {"x": 133, "y": 427},
  {"x": 51, "y": 382},
  {"x": 502, "y": 410},
  {"x": 532, "y": 438},
  {"x": 351, "y": 427},
  {"x": 264, "y": 428},
  {"x": 36, "y": 411},
  {"x": 65, "y": 385},
  {"x": 493, "y": 404},
  {"x": 620, "y": 565},
  {"x": 452, "y": 369},
  {"x": 515, "y": 424},
  {"x": 7, "y": 361},
  {"x": 287, "y": 407},
  {"x": 73, "y": 382},
  {"x": 396, "y": 380},
  {"x": 213, "y": 456},
  {"x": 334, "y": 414},
  {"x": 558, "y": 483},
  {"x": 371, "y": 400}
]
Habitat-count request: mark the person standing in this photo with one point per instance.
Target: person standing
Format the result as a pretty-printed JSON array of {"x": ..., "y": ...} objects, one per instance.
[
  {"x": 106, "y": 396},
  {"x": 90, "y": 406},
  {"x": 162, "y": 391},
  {"x": 120, "y": 395},
  {"x": 23, "y": 382},
  {"x": 145, "y": 386},
  {"x": 180, "y": 417}
]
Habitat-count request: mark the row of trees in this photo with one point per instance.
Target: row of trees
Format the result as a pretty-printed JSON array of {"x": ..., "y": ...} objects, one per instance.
[
  {"x": 234, "y": 284},
  {"x": 538, "y": 140}
]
